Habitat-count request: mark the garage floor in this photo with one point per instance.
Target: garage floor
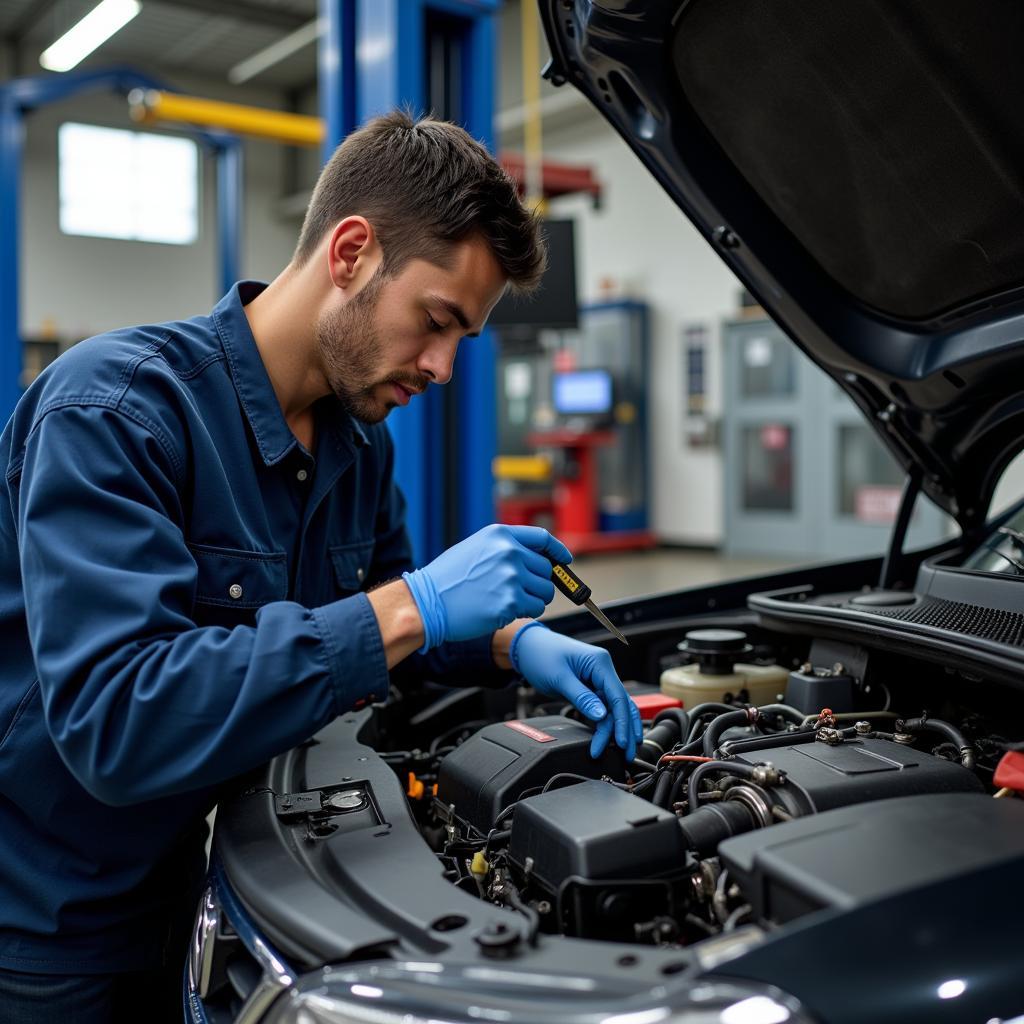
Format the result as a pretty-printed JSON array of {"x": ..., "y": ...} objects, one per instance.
[{"x": 632, "y": 574}]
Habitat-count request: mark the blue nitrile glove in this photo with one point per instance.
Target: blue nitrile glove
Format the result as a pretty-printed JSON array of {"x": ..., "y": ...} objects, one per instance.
[
  {"x": 499, "y": 574},
  {"x": 562, "y": 667}
]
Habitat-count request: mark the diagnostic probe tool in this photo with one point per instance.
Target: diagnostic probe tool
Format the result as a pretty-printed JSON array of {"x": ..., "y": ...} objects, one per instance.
[{"x": 579, "y": 593}]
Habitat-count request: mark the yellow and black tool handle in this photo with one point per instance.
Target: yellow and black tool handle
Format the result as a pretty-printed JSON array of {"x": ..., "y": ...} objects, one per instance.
[{"x": 570, "y": 584}]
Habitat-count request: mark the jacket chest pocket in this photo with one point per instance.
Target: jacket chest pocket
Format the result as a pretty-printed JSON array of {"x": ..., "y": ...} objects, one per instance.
[
  {"x": 232, "y": 584},
  {"x": 351, "y": 564}
]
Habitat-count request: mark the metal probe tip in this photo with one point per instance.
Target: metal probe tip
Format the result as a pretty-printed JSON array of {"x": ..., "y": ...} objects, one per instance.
[{"x": 605, "y": 621}]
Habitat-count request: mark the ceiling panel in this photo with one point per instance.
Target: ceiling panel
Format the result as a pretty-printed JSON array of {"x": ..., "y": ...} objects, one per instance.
[{"x": 168, "y": 35}]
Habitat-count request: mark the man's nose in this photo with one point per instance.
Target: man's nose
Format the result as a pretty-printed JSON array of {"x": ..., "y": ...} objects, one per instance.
[{"x": 437, "y": 359}]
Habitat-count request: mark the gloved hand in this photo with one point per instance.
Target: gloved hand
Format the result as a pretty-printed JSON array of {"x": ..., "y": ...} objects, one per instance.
[
  {"x": 560, "y": 666},
  {"x": 499, "y": 574}
]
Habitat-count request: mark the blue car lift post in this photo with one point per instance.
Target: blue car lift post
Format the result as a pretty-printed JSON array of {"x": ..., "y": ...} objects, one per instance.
[
  {"x": 374, "y": 57},
  {"x": 23, "y": 95}
]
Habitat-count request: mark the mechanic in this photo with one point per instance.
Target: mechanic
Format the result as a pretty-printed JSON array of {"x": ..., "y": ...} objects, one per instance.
[{"x": 205, "y": 561}]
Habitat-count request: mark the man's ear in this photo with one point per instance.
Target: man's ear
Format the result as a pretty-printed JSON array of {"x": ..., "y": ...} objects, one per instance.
[{"x": 351, "y": 251}]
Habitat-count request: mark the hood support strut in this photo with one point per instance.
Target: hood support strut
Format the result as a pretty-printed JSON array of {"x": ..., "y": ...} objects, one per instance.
[{"x": 892, "y": 566}]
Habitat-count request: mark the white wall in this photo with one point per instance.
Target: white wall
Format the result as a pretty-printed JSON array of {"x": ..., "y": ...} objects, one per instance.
[{"x": 77, "y": 286}]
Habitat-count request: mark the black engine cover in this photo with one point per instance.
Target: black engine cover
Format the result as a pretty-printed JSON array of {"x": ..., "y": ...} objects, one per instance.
[
  {"x": 860, "y": 770},
  {"x": 594, "y": 831},
  {"x": 497, "y": 765},
  {"x": 853, "y": 856}
]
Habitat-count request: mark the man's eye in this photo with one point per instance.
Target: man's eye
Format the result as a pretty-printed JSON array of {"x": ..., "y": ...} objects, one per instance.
[{"x": 433, "y": 325}]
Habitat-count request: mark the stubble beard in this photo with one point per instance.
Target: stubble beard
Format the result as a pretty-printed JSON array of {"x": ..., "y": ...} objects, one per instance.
[{"x": 348, "y": 345}]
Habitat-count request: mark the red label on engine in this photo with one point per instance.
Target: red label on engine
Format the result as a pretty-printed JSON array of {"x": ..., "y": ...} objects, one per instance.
[{"x": 528, "y": 730}]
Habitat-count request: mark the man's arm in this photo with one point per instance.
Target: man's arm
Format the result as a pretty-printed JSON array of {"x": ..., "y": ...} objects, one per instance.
[
  {"x": 401, "y": 628},
  {"x": 141, "y": 701},
  {"x": 501, "y": 642}
]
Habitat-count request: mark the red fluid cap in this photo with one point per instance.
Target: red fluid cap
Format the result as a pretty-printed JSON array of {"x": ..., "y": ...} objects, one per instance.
[
  {"x": 652, "y": 704},
  {"x": 1010, "y": 773}
]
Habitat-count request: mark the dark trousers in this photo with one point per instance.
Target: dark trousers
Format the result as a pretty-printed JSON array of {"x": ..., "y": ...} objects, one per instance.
[{"x": 131, "y": 998}]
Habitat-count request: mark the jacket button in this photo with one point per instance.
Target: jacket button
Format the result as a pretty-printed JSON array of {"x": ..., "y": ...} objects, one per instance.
[
  {"x": 235, "y": 590},
  {"x": 302, "y": 475},
  {"x": 360, "y": 574}
]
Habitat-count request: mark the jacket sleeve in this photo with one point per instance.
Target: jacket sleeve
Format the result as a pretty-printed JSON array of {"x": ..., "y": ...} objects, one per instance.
[
  {"x": 466, "y": 663},
  {"x": 140, "y": 701}
]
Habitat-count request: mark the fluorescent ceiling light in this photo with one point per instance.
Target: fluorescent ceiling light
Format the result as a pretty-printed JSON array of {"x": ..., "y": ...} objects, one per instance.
[
  {"x": 93, "y": 30},
  {"x": 275, "y": 53}
]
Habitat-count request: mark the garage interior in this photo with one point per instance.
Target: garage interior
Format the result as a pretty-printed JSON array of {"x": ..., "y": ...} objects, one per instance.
[
  {"x": 643, "y": 407},
  {"x": 696, "y": 460}
]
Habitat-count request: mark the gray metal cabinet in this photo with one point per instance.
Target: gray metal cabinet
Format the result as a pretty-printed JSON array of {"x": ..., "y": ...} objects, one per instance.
[{"x": 804, "y": 474}]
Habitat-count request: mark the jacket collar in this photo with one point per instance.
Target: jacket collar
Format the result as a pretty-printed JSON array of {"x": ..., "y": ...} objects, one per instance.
[{"x": 252, "y": 382}]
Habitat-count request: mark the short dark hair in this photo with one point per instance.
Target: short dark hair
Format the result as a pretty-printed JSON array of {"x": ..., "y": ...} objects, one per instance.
[{"x": 424, "y": 185}]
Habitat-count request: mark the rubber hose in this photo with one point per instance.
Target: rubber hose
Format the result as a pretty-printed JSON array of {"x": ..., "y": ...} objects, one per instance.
[
  {"x": 779, "y": 739},
  {"x": 676, "y": 715},
  {"x": 708, "y": 826},
  {"x": 662, "y": 788},
  {"x": 718, "y": 725},
  {"x": 661, "y": 737},
  {"x": 785, "y": 711},
  {"x": 951, "y": 732}
]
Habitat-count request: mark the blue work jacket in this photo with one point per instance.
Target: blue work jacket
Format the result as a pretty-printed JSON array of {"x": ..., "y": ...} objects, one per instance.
[{"x": 179, "y": 602}]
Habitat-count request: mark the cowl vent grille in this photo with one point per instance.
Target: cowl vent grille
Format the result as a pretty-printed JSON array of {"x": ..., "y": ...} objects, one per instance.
[{"x": 1001, "y": 627}]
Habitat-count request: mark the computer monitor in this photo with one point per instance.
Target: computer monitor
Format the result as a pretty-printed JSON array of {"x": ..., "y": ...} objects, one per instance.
[
  {"x": 553, "y": 305},
  {"x": 583, "y": 393}
]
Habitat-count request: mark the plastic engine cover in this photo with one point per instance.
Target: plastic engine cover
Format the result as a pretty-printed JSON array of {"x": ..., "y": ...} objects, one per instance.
[
  {"x": 494, "y": 767},
  {"x": 864, "y": 769},
  {"x": 856, "y": 855},
  {"x": 594, "y": 831}
]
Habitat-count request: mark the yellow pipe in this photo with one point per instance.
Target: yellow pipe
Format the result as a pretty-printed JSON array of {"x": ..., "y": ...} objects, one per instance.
[
  {"x": 295, "y": 129},
  {"x": 533, "y": 147}
]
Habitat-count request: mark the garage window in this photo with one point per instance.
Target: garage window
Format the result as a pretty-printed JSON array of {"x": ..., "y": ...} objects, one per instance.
[{"x": 125, "y": 184}]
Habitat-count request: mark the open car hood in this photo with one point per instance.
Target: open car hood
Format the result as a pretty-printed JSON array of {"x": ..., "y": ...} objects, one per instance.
[{"x": 860, "y": 167}]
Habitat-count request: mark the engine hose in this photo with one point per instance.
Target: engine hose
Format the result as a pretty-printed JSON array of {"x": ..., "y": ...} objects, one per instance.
[
  {"x": 670, "y": 726},
  {"x": 679, "y": 781},
  {"x": 678, "y": 717},
  {"x": 531, "y": 915},
  {"x": 718, "y": 725},
  {"x": 792, "y": 714},
  {"x": 662, "y": 789},
  {"x": 779, "y": 739},
  {"x": 712, "y": 705},
  {"x": 746, "y": 771},
  {"x": 951, "y": 732}
]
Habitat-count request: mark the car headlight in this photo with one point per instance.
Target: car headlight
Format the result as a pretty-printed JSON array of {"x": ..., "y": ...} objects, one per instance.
[{"x": 431, "y": 993}]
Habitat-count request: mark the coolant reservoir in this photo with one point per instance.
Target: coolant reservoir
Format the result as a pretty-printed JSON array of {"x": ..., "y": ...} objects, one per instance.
[{"x": 717, "y": 670}]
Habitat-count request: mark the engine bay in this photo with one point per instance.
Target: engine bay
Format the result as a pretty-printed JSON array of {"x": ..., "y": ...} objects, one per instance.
[
  {"x": 808, "y": 794},
  {"x": 778, "y": 777}
]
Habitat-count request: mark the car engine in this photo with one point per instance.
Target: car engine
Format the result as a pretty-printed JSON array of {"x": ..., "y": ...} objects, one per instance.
[{"x": 680, "y": 845}]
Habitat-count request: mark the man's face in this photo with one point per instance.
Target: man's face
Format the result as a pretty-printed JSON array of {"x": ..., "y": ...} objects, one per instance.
[{"x": 397, "y": 335}]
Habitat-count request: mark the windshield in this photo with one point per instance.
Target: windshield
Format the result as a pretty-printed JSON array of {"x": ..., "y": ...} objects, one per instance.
[{"x": 1003, "y": 549}]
